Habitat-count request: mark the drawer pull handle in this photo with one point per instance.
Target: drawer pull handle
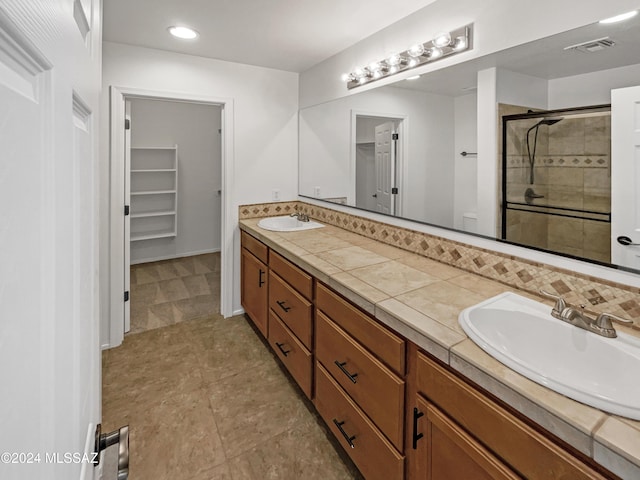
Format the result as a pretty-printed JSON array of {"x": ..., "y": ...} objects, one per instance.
[
  {"x": 281, "y": 303},
  {"x": 345, "y": 434},
  {"x": 352, "y": 376},
  {"x": 416, "y": 436},
  {"x": 284, "y": 352},
  {"x": 261, "y": 278}
]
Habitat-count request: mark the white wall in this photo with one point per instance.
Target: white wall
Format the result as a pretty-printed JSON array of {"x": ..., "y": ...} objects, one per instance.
[
  {"x": 325, "y": 148},
  {"x": 465, "y": 188},
  {"x": 498, "y": 24},
  {"x": 195, "y": 129},
  {"x": 591, "y": 88},
  {"x": 265, "y": 103}
]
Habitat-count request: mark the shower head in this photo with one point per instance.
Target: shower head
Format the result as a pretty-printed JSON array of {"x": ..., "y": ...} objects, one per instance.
[{"x": 550, "y": 120}]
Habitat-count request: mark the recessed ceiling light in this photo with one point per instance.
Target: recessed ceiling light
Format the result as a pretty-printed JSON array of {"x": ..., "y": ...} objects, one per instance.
[
  {"x": 183, "y": 32},
  {"x": 415, "y": 77},
  {"x": 620, "y": 18}
]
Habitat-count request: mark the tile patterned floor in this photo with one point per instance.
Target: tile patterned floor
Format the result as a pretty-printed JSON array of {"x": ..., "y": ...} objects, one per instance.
[
  {"x": 206, "y": 399},
  {"x": 171, "y": 291}
]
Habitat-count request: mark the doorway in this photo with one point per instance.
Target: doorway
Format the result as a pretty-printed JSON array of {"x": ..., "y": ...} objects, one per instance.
[
  {"x": 173, "y": 183},
  {"x": 378, "y": 163},
  {"x": 159, "y": 222}
]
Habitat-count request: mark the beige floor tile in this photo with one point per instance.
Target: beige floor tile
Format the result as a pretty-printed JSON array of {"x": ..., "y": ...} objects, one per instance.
[
  {"x": 255, "y": 405},
  {"x": 300, "y": 453}
]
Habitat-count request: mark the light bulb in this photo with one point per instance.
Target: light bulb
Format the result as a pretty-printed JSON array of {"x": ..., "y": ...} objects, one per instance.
[
  {"x": 442, "y": 39},
  {"x": 375, "y": 66},
  {"x": 362, "y": 80},
  {"x": 393, "y": 69},
  {"x": 377, "y": 74},
  {"x": 183, "y": 32},
  {"x": 413, "y": 62},
  {"x": 359, "y": 72},
  {"x": 393, "y": 59},
  {"x": 416, "y": 50},
  {"x": 435, "y": 53},
  {"x": 460, "y": 43}
]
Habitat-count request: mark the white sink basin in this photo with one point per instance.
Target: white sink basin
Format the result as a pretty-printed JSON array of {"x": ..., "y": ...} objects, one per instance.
[
  {"x": 287, "y": 224},
  {"x": 522, "y": 334}
]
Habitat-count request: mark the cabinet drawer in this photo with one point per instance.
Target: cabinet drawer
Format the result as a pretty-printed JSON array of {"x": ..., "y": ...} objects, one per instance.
[
  {"x": 298, "y": 279},
  {"x": 259, "y": 249},
  {"x": 292, "y": 308},
  {"x": 377, "y": 390},
  {"x": 371, "y": 452},
  {"x": 527, "y": 451},
  {"x": 385, "y": 345},
  {"x": 293, "y": 354}
]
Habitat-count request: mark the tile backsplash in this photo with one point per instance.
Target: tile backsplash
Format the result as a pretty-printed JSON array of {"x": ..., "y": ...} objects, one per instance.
[{"x": 598, "y": 295}]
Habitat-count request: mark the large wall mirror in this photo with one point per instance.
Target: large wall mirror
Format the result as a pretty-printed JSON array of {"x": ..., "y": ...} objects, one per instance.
[{"x": 410, "y": 149}]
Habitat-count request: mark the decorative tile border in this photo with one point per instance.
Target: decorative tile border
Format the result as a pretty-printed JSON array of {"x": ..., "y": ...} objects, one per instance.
[
  {"x": 598, "y": 294},
  {"x": 551, "y": 161},
  {"x": 261, "y": 210}
]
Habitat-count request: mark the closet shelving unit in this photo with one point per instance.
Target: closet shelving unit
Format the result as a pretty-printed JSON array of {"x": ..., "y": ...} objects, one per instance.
[{"x": 154, "y": 192}]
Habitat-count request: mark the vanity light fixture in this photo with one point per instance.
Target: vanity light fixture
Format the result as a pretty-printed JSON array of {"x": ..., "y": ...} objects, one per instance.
[
  {"x": 183, "y": 32},
  {"x": 620, "y": 18},
  {"x": 442, "y": 45}
]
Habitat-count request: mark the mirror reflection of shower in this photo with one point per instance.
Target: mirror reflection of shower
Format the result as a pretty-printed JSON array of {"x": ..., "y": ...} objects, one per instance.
[
  {"x": 568, "y": 155},
  {"x": 532, "y": 156}
]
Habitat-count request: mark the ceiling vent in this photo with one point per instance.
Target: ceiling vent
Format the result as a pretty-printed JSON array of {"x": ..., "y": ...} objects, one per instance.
[{"x": 592, "y": 46}]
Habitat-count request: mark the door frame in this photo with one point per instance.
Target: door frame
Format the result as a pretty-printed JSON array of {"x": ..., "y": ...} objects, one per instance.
[
  {"x": 118, "y": 95},
  {"x": 401, "y": 154}
]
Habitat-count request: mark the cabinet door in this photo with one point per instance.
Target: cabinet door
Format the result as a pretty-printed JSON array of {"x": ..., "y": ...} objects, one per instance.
[
  {"x": 446, "y": 452},
  {"x": 254, "y": 293}
]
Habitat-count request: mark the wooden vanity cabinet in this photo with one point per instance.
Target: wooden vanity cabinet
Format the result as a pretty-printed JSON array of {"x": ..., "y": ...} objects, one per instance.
[
  {"x": 254, "y": 281},
  {"x": 454, "y": 428},
  {"x": 353, "y": 358}
]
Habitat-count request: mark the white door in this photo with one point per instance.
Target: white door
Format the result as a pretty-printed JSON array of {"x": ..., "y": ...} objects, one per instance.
[
  {"x": 385, "y": 168},
  {"x": 49, "y": 345},
  {"x": 127, "y": 218},
  {"x": 625, "y": 176}
]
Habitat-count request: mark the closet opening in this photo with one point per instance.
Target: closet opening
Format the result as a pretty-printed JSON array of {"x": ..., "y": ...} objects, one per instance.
[{"x": 170, "y": 218}]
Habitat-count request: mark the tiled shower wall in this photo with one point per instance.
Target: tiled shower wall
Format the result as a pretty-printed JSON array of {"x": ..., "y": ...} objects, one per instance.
[
  {"x": 572, "y": 170},
  {"x": 599, "y": 295}
]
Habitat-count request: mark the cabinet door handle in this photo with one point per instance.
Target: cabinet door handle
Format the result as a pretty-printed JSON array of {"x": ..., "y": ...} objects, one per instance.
[
  {"x": 416, "y": 436},
  {"x": 346, "y": 436},
  {"x": 261, "y": 278},
  {"x": 281, "y": 303},
  {"x": 351, "y": 376},
  {"x": 284, "y": 352}
]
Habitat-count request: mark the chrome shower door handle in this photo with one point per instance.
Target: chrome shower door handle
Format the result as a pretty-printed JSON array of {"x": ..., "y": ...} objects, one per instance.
[{"x": 626, "y": 241}]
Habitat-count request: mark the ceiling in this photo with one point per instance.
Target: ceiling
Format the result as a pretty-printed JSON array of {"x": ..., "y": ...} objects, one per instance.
[{"x": 291, "y": 35}]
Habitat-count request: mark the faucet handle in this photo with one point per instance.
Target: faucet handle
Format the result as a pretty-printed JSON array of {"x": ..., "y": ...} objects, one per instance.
[
  {"x": 560, "y": 303},
  {"x": 604, "y": 320}
]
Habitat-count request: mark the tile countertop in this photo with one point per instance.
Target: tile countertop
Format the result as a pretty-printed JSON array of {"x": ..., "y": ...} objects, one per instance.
[{"x": 420, "y": 299}]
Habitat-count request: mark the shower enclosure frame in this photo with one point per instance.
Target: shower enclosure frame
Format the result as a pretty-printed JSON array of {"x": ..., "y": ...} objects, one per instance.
[{"x": 564, "y": 212}]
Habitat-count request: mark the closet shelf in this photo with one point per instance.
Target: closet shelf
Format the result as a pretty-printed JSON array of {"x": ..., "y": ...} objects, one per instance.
[
  {"x": 154, "y": 192},
  {"x": 153, "y": 214},
  {"x": 152, "y": 236}
]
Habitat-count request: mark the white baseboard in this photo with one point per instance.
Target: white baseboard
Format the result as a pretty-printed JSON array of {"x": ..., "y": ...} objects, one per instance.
[
  {"x": 240, "y": 311},
  {"x": 179, "y": 255}
]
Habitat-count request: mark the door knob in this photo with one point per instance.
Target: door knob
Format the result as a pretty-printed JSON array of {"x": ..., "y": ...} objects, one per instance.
[
  {"x": 626, "y": 241},
  {"x": 375, "y": 195}
]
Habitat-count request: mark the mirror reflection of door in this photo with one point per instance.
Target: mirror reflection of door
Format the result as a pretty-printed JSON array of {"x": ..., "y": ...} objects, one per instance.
[
  {"x": 625, "y": 176},
  {"x": 377, "y": 160}
]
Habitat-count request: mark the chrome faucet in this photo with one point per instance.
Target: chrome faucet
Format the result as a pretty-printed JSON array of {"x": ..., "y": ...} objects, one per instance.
[
  {"x": 601, "y": 325},
  {"x": 303, "y": 217}
]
